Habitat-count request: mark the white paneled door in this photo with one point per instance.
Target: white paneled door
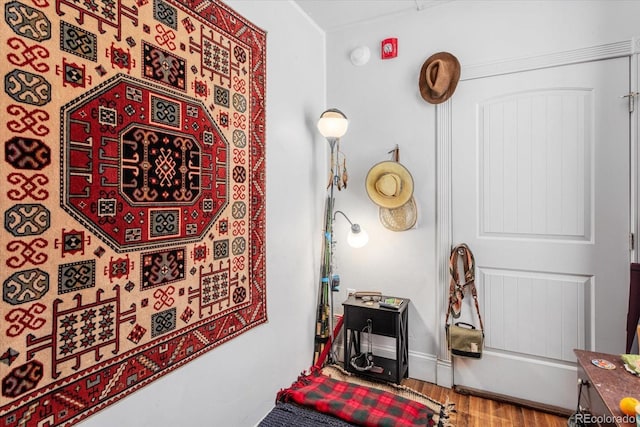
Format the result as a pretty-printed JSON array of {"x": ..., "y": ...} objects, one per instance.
[{"x": 540, "y": 182}]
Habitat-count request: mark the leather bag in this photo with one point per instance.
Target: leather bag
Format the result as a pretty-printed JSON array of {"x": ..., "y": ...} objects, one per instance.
[{"x": 463, "y": 339}]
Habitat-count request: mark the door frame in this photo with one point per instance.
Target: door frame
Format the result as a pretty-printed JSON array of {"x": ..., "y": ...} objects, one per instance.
[{"x": 444, "y": 131}]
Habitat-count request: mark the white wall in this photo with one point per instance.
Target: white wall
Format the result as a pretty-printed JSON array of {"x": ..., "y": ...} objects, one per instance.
[
  {"x": 236, "y": 383},
  {"x": 384, "y": 106}
]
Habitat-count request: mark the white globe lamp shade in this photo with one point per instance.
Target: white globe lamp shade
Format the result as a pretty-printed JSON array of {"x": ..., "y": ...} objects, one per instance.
[
  {"x": 333, "y": 123},
  {"x": 357, "y": 237}
]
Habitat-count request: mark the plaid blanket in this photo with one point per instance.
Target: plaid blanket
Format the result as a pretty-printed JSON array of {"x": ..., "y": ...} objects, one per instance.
[{"x": 356, "y": 403}]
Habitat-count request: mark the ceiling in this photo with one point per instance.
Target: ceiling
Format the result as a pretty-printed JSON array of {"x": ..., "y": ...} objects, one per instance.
[{"x": 334, "y": 14}]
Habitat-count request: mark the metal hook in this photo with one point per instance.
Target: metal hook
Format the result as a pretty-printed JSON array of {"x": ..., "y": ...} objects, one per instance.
[{"x": 396, "y": 153}]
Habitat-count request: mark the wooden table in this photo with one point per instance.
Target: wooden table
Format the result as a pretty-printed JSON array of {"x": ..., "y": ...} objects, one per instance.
[{"x": 604, "y": 388}]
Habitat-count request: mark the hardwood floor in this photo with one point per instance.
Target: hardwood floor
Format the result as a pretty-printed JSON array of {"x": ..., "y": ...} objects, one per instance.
[{"x": 473, "y": 411}]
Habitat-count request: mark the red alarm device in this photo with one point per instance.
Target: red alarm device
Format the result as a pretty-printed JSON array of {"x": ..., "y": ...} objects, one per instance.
[{"x": 389, "y": 48}]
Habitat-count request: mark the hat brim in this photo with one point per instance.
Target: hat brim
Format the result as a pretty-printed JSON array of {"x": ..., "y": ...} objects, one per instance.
[
  {"x": 406, "y": 190},
  {"x": 400, "y": 219},
  {"x": 425, "y": 92}
]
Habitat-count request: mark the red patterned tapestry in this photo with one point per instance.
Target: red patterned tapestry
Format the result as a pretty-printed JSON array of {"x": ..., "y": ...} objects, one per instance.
[{"x": 132, "y": 186}]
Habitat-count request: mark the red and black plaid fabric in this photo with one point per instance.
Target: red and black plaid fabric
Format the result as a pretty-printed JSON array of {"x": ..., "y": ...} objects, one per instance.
[{"x": 356, "y": 404}]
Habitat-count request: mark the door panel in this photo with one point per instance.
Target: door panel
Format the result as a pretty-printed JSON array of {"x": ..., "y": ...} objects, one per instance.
[
  {"x": 539, "y": 314},
  {"x": 534, "y": 166},
  {"x": 541, "y": 196}
]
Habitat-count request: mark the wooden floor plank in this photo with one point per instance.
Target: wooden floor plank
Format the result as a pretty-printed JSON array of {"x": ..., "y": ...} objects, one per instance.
[{"x": 473, "y": 411}]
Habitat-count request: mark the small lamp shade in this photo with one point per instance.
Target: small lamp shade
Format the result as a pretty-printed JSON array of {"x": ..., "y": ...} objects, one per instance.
[
  {"x": 357, "y": 237},
  {"x": 333, "y": 123}
]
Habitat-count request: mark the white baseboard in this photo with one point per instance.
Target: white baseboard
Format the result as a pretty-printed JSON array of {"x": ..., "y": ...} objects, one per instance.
[{"x": 444, "y": 373}]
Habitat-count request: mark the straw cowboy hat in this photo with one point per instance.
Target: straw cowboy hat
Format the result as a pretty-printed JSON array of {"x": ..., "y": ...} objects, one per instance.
[
  {"x": 439, "y": 77},
  {"x": 389, "y": 184}
]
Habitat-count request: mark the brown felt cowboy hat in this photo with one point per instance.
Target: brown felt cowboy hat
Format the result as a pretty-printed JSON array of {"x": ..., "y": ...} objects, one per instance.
[
  {"x": 439, "y": 77},
  {"x": 389, "y": 184}
]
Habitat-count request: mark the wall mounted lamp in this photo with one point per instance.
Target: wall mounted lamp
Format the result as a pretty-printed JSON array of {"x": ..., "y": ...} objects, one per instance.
[{"x": 357, "y": 236}]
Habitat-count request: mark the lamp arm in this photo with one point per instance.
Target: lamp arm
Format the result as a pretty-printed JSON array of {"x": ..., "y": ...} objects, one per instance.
[
  {"x": 355, "y": 228},
  {"x": 344, "y": 215}
]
